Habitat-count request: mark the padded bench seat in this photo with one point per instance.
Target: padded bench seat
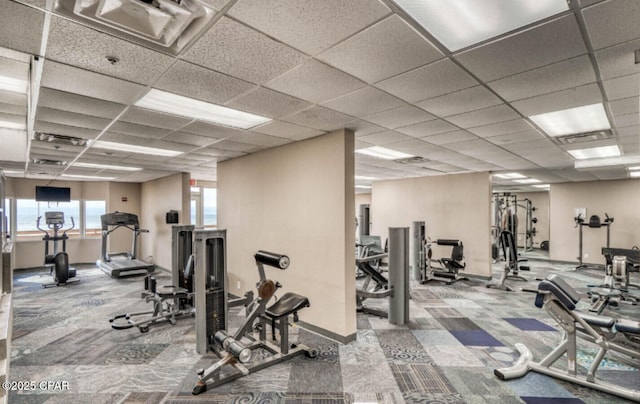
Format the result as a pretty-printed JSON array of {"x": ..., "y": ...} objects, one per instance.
[
  {"x": 289, "y": 303},
  {"x": 598, "y": 321},
  {"x": 628, "y": 326}
]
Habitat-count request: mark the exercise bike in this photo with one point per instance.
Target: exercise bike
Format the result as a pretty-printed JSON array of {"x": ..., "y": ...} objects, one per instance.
[{"x": 58, "y": 262}]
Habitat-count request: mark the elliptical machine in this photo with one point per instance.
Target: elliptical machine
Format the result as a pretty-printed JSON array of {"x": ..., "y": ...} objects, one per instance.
[{"x": 58, "y": 262}]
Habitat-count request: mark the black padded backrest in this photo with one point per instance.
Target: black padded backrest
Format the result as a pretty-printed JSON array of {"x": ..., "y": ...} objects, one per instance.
[
  {"x": 594, "y": 221},
  {"x": 457, "y": 253},
  {"x": 564, "y": 286}
]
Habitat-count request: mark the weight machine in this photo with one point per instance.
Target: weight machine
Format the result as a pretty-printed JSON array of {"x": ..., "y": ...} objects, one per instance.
[
  {"x": 615, "y": 288},
  {"x": 122, "y": 263},
  {"x": 593, "y": 223},
  {"x": 505, "y": 217},
  {"x": 446, "y": 269}
]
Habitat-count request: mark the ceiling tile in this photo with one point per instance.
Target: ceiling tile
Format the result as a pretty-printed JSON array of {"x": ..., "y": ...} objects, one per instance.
[
  {"x": 630, "y": 132},
  {"x": 450, "y": 137},
  {"x": 9, "y": 97},
  {"x": 13, "y": 109},
  {"x": 70, "y": 102},
  {"x": 190, "y": 139},
  {"x": 502, "y": 128},
  {"x": 133, "y": 129},
  {"x": 469, "y": 99},
  {"x": 287, "y": 130},
  {"x": 398, "y": 117},
  {"x": 13, "y": 68},
  {"x": 622, "y": 121},
  {"x": 391, "y": 40},
  {"x": 308, "y": 25},
  {"x": 49, "y": 127},
  {"x": 316, "y": 82},
  {"x": 428, "y": 128},
  {"x": 71, "y": 119},
  {"x": 21, "y": 27},
  {"x": 618, "y": 61},
  {"x": 550, "y": 42},
  {"x": 382, "y": 138},
  {"x": 198, "y": 82},
  {"x": 612, "y": 22},
  {"x": 319, "y": 118},
  {"x": 428, "y": 81},
  {"x": 365, "y": 101},
  {"x": 154, "y": 119},
  {"x": 78, "y": 81},
  {"x": 261, "y": 140},
  {"x": 558, "y": 76},
  {"x": 269, "y": 103},
  {"x": 624, "y": 106},
  {"x": 575, "y": 97},
  {"x": 233, "y": 146},
  {"x": 485, "y": 116},
  {"x": 515, "y": 137},
  {"x": 622, "y": 87},
  {"x": 363, "y": 128},
  {"x": 76, "y": 45},
  {"x": 221, "y": 154},
  {"x": 242, "y": 52},
  {"x": 210, "y": 130}
]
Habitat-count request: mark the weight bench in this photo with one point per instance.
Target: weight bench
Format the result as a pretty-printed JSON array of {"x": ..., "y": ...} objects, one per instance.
[
  {"x": 236, "y": 351},
  {"x": 380, "y": 288},
  {"x": 622, "y": 336},
  {"x": 449, "y": 269},
  {"x": 511, "y": 267},
  {"x": 170, "y": 303},
  {"x": 615, "y": 289}
]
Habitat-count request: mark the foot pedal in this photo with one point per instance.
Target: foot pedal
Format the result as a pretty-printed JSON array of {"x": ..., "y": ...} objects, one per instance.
[{"x": 199, "y": 388}]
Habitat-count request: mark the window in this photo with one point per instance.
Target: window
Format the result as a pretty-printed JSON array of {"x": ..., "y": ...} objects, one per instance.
[
  {"x": 194, "y": 211},
  {"x": 210, "y": 205},
  {"x": 92, "y": 212},
  {"x": 28, "y": 211}
]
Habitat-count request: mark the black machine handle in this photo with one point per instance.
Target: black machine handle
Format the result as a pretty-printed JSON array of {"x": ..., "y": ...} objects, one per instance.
[
  {"x": 272, "y": 259},
  {"x": 38, "y": 225}
]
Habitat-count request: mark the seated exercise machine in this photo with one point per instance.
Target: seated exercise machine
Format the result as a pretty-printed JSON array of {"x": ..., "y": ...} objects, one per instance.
[
  {"x": 170, "y": 302},
  {"x": 615, "y": 289},
  {"x": 122, "y": 263},
  {"x": 445, "y": 269},
  {"x": 235, "y": 351},
  {"x": 593, "y": 223},
  {"x": 620, "y": 336},
  {"x": 58, "y": 262},
  {"x": 374, "y": 285},
  {"x": 512, "y": 265}
]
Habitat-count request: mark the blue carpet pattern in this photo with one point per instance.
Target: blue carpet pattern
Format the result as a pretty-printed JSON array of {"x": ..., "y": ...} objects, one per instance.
[{"x": 446, "y": 354}]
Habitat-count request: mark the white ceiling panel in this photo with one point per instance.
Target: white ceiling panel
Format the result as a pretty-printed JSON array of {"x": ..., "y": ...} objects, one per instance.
[
  {"x": 365, "y": 101},
  {"x": 49, "y": 127},
  {"x": 221, "y": 154},
  {"x": 622, "y": 87},
  {"x": 14, "y": 145},
  {"x": 198, "y": 82},
  {"x": 146, "y": 117},
  {"x": 316, "y": 82},
  {"x": 14, "y": 68},
  {"x": 76, "y": 45},
  {"x": 260, "y": 140},
  {"x": 13, "y": 109},
  {"x": 548, "y": 79},
  {"x": 78, "y": 81},
  {"x": 413, "y": 146},
  {"x": 269, "y": 103},
  {"x": 233, "y": 146},
  {"x": 190, "y": 139},
  {"x": 470, "y": 99},
  {"x": 70, "y": 102},
  {"x": 399, "y": 117},
  {"x": 210, "y": 130},
  {"x": 481, "y": 117},
  {"x": 632, "y": 147},
  {"x": 618, "y": 61},
  {"x": 428, "y": 128},
  {"x": 309, "y": 25},
  {"x": 287, "y": 130},
  {"x": 21, "y": 27},
  {"x": 392, "y": 40},
  {"x": 575, "y": 97},
  {"x": 621, "y": 22},
  {"x": 319, "y": 118},
  {"x": 630, "y": 131},
  {"x": 625, "y": 106},
  {"x": 553, "y": 41},
  {"x": 9, "y": 97},
  {"x": 515, "y": 137},
  {"x": 383, "y": 138},
  {"x": 363, "y": 128},
  {"x": 428, "y": 81},
  {"x": 450, "y": 137},
  {"x": 622, "y": 121},
  {"x": 71, "y": 119},
  {"x": 143, "y": 131},
  {"x": 243, "y": 52}
]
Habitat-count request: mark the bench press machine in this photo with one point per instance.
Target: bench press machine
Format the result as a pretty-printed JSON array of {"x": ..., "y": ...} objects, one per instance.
[
  {"x": 447, "y": 269},
  {"x": 621, "y": 336},
  {"x": 236, "y": 351}
]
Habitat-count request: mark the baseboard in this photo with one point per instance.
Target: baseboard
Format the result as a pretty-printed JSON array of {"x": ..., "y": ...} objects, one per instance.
[{"x": 328, "y": 334}]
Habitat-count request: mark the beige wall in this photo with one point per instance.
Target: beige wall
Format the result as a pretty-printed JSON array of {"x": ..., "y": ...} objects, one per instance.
[
  {"x": 617, "y": 198},
  {"x": 452, "y": 206},
  {"x": 158, "y": 197},
  {"x": 296, "y": 199},
  {"x": 540, "y": 201}
]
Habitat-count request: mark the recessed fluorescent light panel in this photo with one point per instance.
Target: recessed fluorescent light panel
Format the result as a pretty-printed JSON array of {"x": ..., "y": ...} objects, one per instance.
[
  {"x": 595, "y": 152},
  {"x": 527, "y": 181},
  {"x": 608, "y": 161},
  {"x": 383, "y": 153},
  {"x": 363, "y": 186},
  {"x": 542, "y": 186},
  {"x": 106, "y": 167},
  {"x": 87, "y": 177},
  {"x": 634, "y": 168},
  {"x": 101, "y": 144},
  {"x": 461, "y": 23},
  {"x": 364, "y": 178},
  {"x": 18, "y": 124},
  {"x": 634, "y": 174},
  {"x": 588, "y": 118},
  {"x": 13, "y": 85},
  {"x": 509, "y": 176},
  {"x": 188, "y": 107}
]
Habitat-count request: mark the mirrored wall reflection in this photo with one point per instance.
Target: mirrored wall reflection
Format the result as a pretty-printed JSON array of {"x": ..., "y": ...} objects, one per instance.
[{"x": 526, "y": 216}]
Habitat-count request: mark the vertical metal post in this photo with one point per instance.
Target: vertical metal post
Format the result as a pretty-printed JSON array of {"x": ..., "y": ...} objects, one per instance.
[
  {"x": 417, "y": 237},
  {"x": 363, "y": 219},
  {"x": 181, "y": 249},
  {"x": 399, "y": 275}
]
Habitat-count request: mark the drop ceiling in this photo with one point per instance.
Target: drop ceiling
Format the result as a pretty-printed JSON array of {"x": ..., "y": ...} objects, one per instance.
[{"x": 313, "y": 67}]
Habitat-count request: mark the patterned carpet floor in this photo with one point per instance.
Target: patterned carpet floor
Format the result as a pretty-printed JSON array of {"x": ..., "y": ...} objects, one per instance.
[{"x": 457, "y": 335}]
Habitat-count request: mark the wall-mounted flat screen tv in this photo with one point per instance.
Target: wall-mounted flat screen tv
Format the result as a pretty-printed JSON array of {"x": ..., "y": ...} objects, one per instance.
[{"x": 53, "y": 194}]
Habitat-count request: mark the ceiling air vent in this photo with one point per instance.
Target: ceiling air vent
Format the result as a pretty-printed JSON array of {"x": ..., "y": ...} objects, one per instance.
[
  {"x": 59, "y": 139},
  {"x": 166, "y": 24},
  {"x": 49, "y": 162},
  {"x": 412, "y": 160},
  {"x": 584, "y": 137}
]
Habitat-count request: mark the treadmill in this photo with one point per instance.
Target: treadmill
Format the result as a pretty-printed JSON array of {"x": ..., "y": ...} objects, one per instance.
[{"x": 122, "y": 263}]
